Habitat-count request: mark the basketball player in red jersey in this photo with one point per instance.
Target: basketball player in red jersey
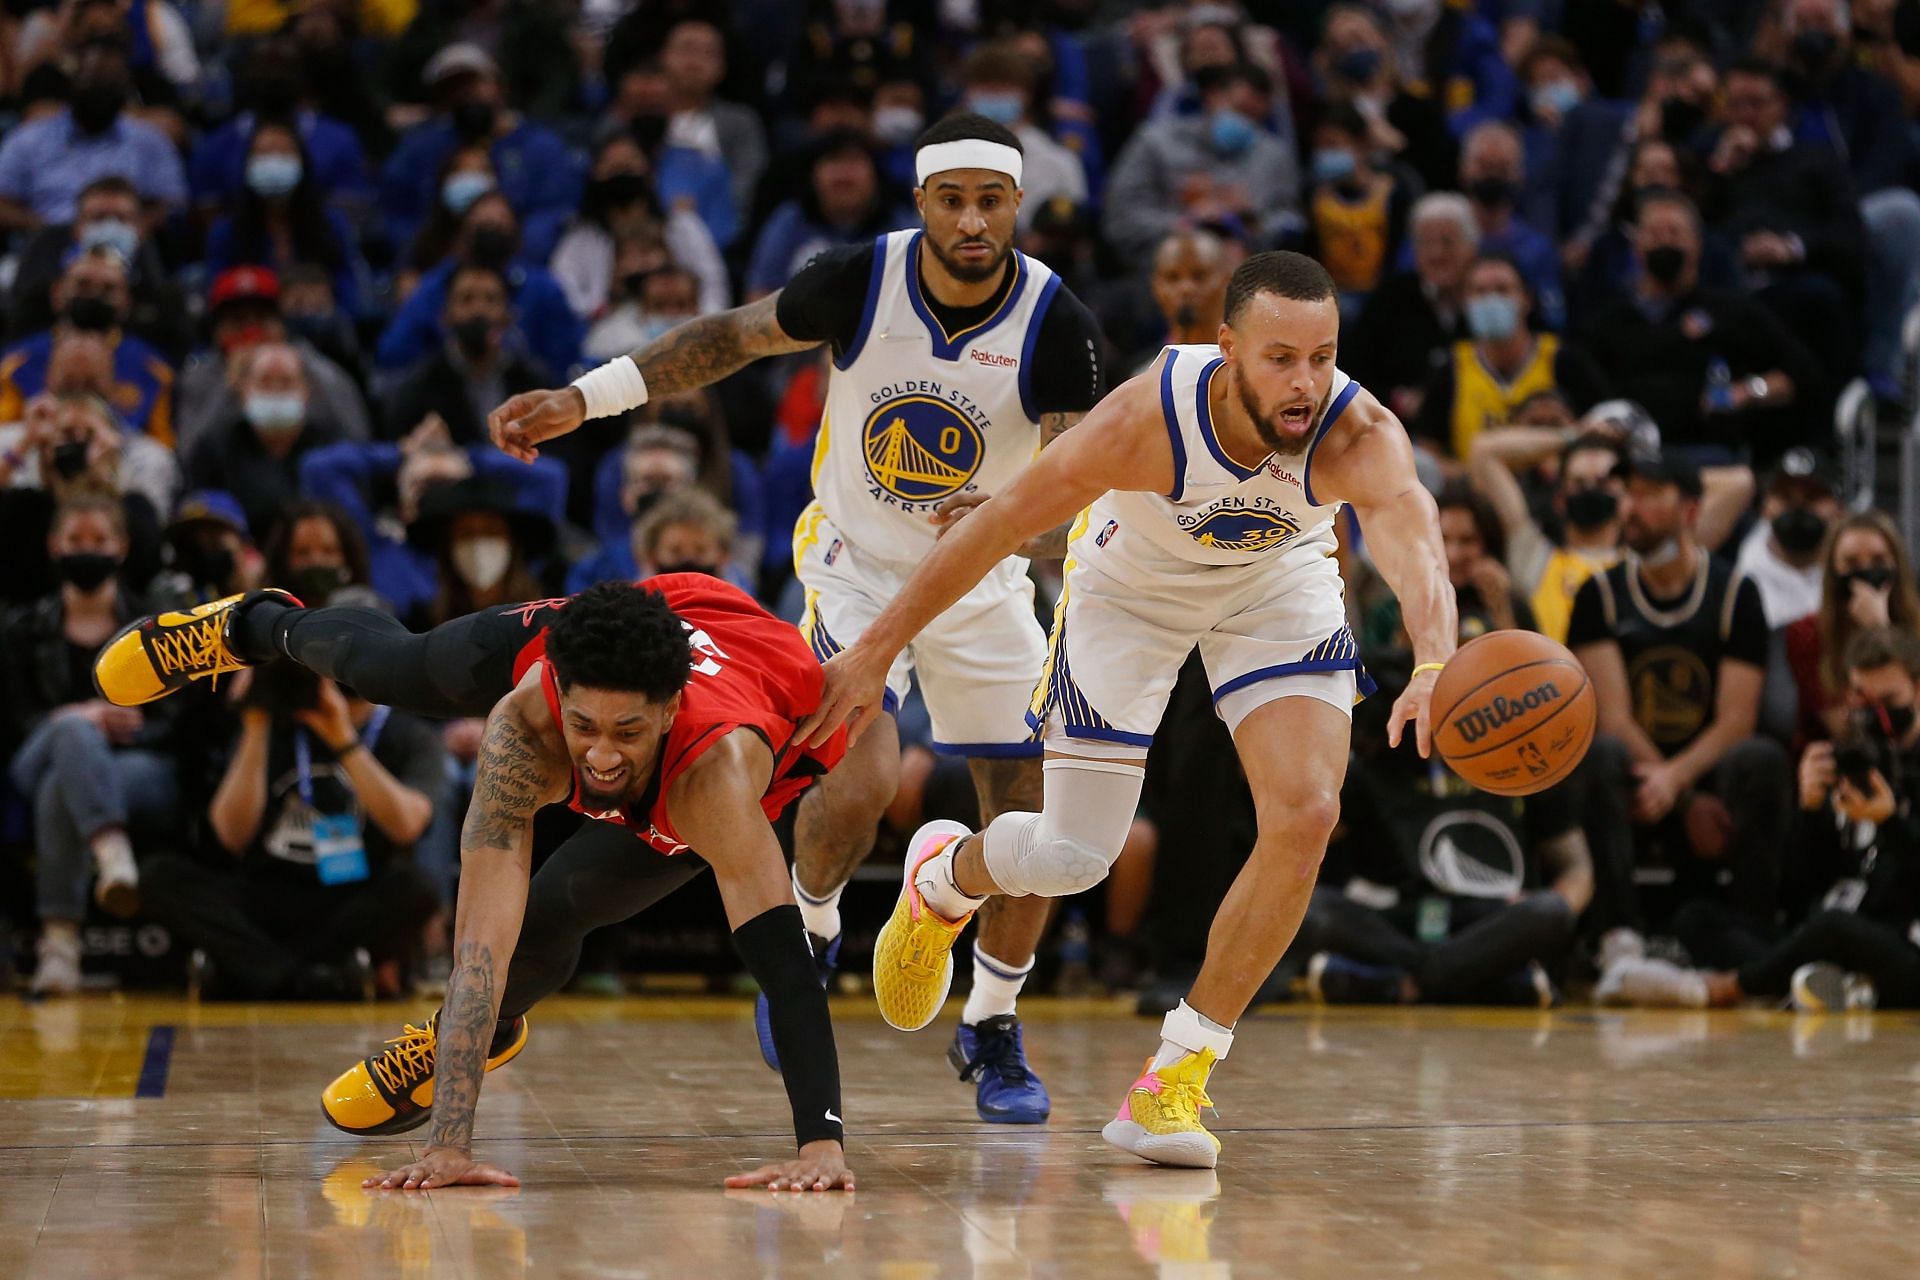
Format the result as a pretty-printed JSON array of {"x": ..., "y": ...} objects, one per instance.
[{"x": 666, "y": 713}]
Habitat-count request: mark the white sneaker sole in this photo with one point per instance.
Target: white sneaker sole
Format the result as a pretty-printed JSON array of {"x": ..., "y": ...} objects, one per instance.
[
  {"x": 1178, "y": 1150},
  {"x": 916, "y": 852}
]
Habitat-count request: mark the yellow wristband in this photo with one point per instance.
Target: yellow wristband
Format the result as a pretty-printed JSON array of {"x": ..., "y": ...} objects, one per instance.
[{"x": 1430, "y": 666}]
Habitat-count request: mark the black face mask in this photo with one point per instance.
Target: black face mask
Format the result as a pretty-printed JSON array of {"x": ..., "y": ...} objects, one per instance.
[
  {"x": 472, "y": 335},
  {"x": 633, "y": 282},
  {"x": 272, "y": 94},
  {"x": 1799, "y": 531},
  {"x": 1666, "y": 264},
  {"x": 96, "y": 106},
  {"x": 687, "y": 566},
  {"x": 317, "y": 583},
  {"x": 491, "y": 247},
  {"x": 91, "y": 313},
  {"x": 618, "y": 190},
  {"x": 474, "y": 121},
  {"x": 210, "y": 566},
  {"x": 87, "y": 569},
  {"x": 1679, "y": 118},
  {"x": 1591, "y": 508},
  {"x": 1877, "y": 576},
  {"x": 70, "y": 459},
  {"x": 1357, "y": 65},
  {"x": 1492, "y": 192},
  {"x": 1813, "y": 51}
]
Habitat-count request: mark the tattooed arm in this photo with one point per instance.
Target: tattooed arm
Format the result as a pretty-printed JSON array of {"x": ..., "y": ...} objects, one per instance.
[
  {"x": 1052, "y": 544},
  {"x": 521, "y": 768},
  {"x": 687, "y": 357}
]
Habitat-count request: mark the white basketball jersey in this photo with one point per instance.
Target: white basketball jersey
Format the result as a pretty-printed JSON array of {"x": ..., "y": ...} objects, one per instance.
[
  {"x": 1219, "y": 512},
  {"x": 915, "y": 414}
]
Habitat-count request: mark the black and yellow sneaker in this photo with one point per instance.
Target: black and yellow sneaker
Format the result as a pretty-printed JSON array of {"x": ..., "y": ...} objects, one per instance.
[
  {"x": 392, "y": 1091},
  {"x": 155, "y": 656}
]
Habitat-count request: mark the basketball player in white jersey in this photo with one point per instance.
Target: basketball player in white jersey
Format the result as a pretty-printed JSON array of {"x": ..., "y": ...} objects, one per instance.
[
  {"x": 955, "y": 358},
  {"x": 1206, "y": 490}
]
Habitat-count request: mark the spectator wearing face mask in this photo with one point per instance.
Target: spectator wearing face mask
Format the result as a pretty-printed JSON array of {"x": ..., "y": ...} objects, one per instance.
[
  {"x": 256, "y": 454},
  {"x": 537, "y": 307},
  {"x": 348, "y": 475},
  {"x": 94, "y": 774},
  {"x": 284, "y": 219},
  {"x": 620, "y": 206},
  {"x": 999, "y": 81},
  {"x": 537, "y": 174},
  {"x": 1356, "y": 210},
  {"x": 1488, "y": 377},
  {"x": 1360, "y": 68},
  {"x": 1609, "y": 268},
  {"x": 649, "y": 300},
  {"x": 841, "y": 204},
  {"x": 1866, "y": 581},
  {"x": 244, "y": 310},
  {"x": 46, "y": 163},
  {"x": 1493, "y": 176},
  {"x": 1221, "y": 167},
  {"x": 1562, "y": 109},
  {"x": 319, "y": 554},
  {"x": 108, "y": 215},
  {"x": 1781, "y": 554},
  {"x": 1410, "y": 321},
  {"x": 70, "y": 446},
  {"x": 92, "y": 297},
  {"x": 477, "y": 365},
  {"x": 210, "y": 553},
  {"x": 466, "y": 176},
  {"x": 655, "y": 461},
  {"x": 484, "y": 545}
]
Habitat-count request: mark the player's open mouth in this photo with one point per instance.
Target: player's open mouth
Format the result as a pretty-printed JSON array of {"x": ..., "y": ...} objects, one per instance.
[
  {"x": 603, "y": 779},
  {"x": 1298, "y": 415}
]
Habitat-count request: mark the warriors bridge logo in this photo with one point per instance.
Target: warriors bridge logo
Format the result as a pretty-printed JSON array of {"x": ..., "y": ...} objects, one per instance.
[
  {"x": 1495, "y": 712},
  {"x": 1243, "y": 529},
  {"x": 922, "y": 448}
]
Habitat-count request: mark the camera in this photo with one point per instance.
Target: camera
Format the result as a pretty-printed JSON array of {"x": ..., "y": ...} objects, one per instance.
[
  {"x": 1866, "y": 746},
  {"x": 285, "y": 687}
]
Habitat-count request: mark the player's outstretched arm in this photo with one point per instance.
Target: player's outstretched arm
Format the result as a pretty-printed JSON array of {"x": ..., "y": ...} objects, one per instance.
[
  {"x": 518, "y": 773},
  {"x": 1367, "y": 461},
  {"x": 715, "y": 807},
  {"x": 1122, "y": 444},
  {"x": 685, "y": 358}
]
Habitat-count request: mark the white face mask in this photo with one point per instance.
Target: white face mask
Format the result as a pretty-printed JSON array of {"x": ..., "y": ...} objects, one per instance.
[{"x": 483, "y": 561}]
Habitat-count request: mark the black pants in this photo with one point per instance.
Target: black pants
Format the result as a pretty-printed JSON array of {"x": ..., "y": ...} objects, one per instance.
[
  {"x": 1755, "y": 783},
  {"x": 1855, "y": 943},
  {"x": 260, "y": 929},
  {"x": 1490, "y": 943},
  {"x": 600, "y": 875}
]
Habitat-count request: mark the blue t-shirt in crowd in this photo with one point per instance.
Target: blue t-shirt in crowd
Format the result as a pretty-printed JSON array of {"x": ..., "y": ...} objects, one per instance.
[
  {"x": 540, "y": 177},
  {"x": 217, "y": 168},
  {"x": 45, "y": 164},
  {"x": 547, "y": 325},
  {"x": 348, "y": 295}
]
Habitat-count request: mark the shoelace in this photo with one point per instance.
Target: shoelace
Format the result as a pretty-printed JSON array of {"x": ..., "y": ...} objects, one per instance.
[
  {"x": 410, "y": 1058},
  {"x": 194, "y": 646},
  {"x": 998, "y": 1050}
]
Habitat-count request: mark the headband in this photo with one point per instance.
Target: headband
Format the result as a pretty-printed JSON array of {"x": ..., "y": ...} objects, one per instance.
[{"x": 966, "y": 153}]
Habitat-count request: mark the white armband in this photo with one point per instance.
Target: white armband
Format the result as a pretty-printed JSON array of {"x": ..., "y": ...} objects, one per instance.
[{"x": 614, "y": 387}]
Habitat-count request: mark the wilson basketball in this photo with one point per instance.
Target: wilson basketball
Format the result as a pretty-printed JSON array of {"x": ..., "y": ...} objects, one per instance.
[{"x": 1513, "y": 712}]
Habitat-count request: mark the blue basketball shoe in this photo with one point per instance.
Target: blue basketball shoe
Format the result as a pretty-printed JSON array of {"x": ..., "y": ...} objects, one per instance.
[
  {"x": 991, "y": 1054},
  {"x": 826, "y": 959}
]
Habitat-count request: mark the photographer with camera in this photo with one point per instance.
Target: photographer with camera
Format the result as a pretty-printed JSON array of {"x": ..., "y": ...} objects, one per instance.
[
  {"x": 1860, "y": 835},
  {"x": 319, "y": 808}
]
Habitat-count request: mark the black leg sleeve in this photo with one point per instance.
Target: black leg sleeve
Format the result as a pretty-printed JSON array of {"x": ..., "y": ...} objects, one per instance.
[
  {"x": 1337, "y": 923},
  {"x": 1468, "y": 963},
  {"x": 460, "y": 668},
  {"x": 774, "y": 945}
]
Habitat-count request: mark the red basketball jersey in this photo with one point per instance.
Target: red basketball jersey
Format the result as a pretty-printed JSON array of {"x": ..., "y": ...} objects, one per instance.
[{"x": 750, "y": 670}]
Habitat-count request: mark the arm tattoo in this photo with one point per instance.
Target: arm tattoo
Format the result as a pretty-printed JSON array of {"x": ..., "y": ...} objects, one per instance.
[
  {"x": 465, "y": 1031},
  {"x": 1051, "y": 545},
  {"x": 702, "y": 351},
  {"x": 512, "y": 782}
]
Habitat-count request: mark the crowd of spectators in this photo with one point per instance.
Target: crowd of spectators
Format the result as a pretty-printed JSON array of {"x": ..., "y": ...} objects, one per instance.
[{"x": 267, "y": 267}]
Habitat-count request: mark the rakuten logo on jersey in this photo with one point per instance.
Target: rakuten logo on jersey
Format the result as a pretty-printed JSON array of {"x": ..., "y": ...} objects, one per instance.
[{"x": 996, "y": 359}]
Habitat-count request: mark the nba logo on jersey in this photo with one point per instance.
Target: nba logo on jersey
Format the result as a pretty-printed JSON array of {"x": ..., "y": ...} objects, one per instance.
[
  {"x": 833, "y": 552},
  {"x": 1112, "y": 527}
]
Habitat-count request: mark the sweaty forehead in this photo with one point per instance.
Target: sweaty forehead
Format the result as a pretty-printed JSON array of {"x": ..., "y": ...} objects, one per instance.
[{"x": 1270, "y": 320}]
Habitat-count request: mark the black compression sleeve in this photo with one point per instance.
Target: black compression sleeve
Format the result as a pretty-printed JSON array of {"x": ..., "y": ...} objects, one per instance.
[
  {"x": 774, "y": 945},
  {"x": 1069, "y": 358},
  {"x": 824, "y": 300}
]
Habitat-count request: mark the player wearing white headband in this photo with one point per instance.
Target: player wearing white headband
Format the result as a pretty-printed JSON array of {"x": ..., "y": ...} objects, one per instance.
[{"x": 955, "y": 357}]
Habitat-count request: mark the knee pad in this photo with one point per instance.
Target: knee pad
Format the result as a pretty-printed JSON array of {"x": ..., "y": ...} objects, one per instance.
[{"x": 1025, "y": 858}]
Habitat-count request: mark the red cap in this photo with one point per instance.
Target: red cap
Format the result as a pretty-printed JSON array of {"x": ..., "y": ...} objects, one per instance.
[{"x": 239, "y": 283}]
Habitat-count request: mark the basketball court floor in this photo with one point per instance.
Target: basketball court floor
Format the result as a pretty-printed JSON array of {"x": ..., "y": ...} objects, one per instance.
[{"x": 149, "y": 1138}]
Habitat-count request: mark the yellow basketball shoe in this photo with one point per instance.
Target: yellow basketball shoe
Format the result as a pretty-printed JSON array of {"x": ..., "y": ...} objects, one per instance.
[
  {"x": 1160, "y": 1120},
  {"x": 155, "y": 656},
  {"x": 392, "y": 1091},
  {"x": 913, "y": 956}
]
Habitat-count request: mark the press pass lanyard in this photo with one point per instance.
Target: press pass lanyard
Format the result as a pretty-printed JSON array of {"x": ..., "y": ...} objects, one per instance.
[{"x": 303, "y": 754}]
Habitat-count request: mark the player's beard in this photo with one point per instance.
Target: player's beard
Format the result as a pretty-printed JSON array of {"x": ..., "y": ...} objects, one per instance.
[
  {"x": 1282, "y": 444},
  {"x": 970, "y": 272}
]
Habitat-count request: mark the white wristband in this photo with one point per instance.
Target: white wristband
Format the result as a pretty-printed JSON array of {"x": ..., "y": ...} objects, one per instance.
[{"x": 614, "y": 387}]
